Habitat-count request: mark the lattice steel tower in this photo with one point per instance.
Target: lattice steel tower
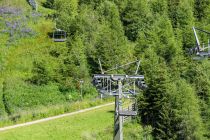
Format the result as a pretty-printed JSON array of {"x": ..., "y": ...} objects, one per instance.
[{"x": 120, "y": 86}]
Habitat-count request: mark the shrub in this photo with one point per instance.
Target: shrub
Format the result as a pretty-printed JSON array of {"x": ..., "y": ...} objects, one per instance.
[
  {"x": 2, "y": 107},
  {"x": 49, "y": 4},
  {"x": 20, "y": 96},
  {"x": 41, "y": 75}
]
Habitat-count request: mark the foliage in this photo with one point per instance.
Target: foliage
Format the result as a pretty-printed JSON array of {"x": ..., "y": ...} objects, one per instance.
[
  {"x": 181, "y": 15},
  {"x": 21, "y": 97},
  {"x": 15, "y": 25},
  {"x": 176, "y": 103},
  {"x": 186, "y": 109},
  {"x": 2, "y": 107},
  {"x": 154, "y": 104},
  {"x": 201, "y": 9},
  {"x": 49, "y": 4},
  {"x": 136, "y": 17},
  {"x": 41, "y": 76},
  {"x": 66, "y": 13}
]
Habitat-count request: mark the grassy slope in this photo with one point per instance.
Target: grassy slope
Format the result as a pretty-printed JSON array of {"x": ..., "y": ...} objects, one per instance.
[
  {"x": 18, "y": 3},
  {"x": 16, "y": 60},
  {"x": 90, "y": 125},
  {"x": 73, "y": 127}
]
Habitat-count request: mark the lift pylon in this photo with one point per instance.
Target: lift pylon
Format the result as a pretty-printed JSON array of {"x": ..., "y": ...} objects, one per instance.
[{"x": 120, "y": 86}]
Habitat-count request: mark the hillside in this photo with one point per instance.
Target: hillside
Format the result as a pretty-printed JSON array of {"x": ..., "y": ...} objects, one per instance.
[
  {"x": 24, "y": 40},
  {"x": 37, "y": 72},
  {"x": 79, "y": 126}
]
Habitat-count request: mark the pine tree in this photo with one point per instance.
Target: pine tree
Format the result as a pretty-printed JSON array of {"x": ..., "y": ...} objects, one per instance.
[
  {"x": 201, "y": 9},
  {"x": 181, "y": 15},
  {"x": 155, "y": 104},
  {"x": 188, "y": 122},
  {"x": 198, "y": 76},
  {"x": 136, "y": 17},
  {"x": 111, "y": 45},
  {"x": 159, "y": 7}
]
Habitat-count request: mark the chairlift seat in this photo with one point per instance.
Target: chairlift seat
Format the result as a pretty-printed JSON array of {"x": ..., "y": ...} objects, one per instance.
[
  {"x": 59, "y": 35},
  {"x": 131, "y": 92},
  {"x": 98, "y": 81},
  {"x": 112, "y": 94},
  {"x": 102, "y": 91},
  {"x": 108, "y": 92},
  {"x": 197, "y": 58},
  {"x": 128, "y": 113},
  {"x": 203, "y": 54}
]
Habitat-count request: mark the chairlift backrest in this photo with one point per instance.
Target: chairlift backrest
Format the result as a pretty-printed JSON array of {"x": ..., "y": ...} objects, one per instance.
[{"x": 59, "y": 35}]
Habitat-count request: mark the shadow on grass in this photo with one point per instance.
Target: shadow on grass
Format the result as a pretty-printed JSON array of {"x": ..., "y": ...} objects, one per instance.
[{"x": 111, "y": 112}]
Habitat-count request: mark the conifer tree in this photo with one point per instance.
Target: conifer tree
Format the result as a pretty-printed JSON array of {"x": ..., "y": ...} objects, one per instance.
[
  {"x": 135, "y": 18},
  {"x": 181, "y": 15},
  {"x": 169, "y": 105},
  {"x": 198, "y": 76},
  {"x": 111, "y": 46},
  {"x": 201, "y": 9},
  {"x": 188, "y": 122},
  {"x": 155, "y": 106}
]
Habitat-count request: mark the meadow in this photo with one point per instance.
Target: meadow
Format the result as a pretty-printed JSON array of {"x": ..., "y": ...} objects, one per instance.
[{"x": 96, "y": 124}]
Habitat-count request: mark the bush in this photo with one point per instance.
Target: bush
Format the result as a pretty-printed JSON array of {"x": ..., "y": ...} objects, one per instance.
[
  {"x": 2, "y": 107},
  {"x": 20, "y": 95},
  {"x": 49, "y": 4},
  {"x": 41, "y": 75}
]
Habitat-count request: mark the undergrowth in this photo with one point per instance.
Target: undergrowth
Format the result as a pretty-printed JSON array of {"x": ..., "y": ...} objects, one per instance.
[{"x": 51, "y": 110}]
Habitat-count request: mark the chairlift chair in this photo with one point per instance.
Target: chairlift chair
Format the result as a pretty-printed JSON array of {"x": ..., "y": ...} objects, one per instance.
[
  {"x": 130, "y": 111},
  {"x": 59, "y": 35},
  {"x": 201, "y": 51}
]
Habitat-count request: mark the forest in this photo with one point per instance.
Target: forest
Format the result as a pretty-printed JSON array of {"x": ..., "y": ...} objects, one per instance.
[{"x": 35, "y": 72}]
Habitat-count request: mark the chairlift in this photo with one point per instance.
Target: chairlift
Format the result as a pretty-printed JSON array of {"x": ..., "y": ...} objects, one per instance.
[
  {"x": 201, "y": 50},
  {"x": 132, "y": 108},
  {"x": 59, "y": 35}
]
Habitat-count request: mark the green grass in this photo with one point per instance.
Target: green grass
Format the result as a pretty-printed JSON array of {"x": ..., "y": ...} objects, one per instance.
[
  {"x": 131, "y": 131},
  {"x": 75, "y": 127},
  {"x": 16, "y": 59},
  {"x": 40, "y": 112},
  {"x": 91, "y": 125},
  {"x": 17, "y": 3}
]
